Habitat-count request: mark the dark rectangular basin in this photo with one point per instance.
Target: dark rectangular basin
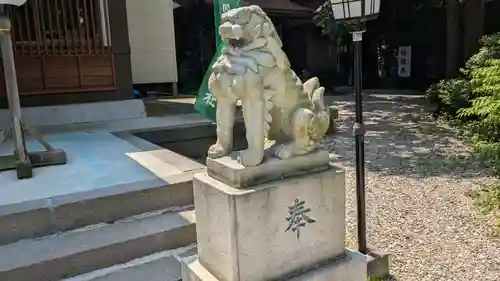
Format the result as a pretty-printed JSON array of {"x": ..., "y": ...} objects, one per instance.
[{"x": 193, "y": 141}]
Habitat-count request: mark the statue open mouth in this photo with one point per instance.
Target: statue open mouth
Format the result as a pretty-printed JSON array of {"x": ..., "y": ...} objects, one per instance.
[{"x": 237, "y": 43}]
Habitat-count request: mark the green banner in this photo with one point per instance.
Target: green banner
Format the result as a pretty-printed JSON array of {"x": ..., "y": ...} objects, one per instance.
[{"x": 205, "y": 102}]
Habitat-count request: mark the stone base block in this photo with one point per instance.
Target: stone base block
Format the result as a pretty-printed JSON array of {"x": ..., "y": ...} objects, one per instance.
[
  {"x": 270, "y": 230},
  {"x": 378, "y": 263},
  {"x": 350, "y": 267},
  {"x": 229, "y": 171}
]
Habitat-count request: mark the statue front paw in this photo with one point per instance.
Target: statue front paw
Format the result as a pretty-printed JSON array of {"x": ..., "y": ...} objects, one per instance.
[
  {"x": 217, "y": 151},
  {"x": 284, "y": 151},
  {"x": 249, "y": 158}
]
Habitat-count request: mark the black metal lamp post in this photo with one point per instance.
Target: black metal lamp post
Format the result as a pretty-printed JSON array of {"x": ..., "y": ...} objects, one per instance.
[{"x": 357, "y": 12}]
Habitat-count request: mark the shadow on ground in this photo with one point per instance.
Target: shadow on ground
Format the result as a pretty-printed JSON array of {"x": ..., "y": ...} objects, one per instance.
[
  {"x": 161, "y": 106},
  {"x": 401, "y": 139},
  {"x": 388, "y": 278}
]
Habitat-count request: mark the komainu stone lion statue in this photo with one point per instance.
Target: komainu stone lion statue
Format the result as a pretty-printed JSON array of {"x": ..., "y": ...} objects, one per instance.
[{"x": 276, "y": 105}]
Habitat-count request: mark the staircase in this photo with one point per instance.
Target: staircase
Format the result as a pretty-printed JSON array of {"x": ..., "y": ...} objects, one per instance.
[{"x": 119, "y": 237}]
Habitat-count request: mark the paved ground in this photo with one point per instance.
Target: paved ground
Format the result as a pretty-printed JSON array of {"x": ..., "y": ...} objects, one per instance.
[
  {"x": 96, "y": 160},
  {"x": 418, "y": 177}
]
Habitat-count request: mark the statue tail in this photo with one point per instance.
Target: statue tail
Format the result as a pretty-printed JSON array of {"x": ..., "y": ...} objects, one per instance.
[
  {"x": 315, "y": 93},
  {"x": 322, "y": 115}
]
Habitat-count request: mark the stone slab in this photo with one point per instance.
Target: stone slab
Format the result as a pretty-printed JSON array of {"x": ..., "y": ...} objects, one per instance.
[
  {"x": 100, "y": 175},
  {"x": 95, "y": 161},
  {"x": 229, "y": 171},
  {"x": 99, "y": 164},
  {"x": 350, "y": 267},
  {"x": 242, "y": 233},
  {"x": 76, "y": 252},
  {"x": 378, "y": 263},
  {"x": 56, "y": 115},
  {"x": 161, "y": 266}
]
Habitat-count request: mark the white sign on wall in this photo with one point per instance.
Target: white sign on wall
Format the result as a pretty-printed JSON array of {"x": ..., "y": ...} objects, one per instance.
[{"x": 404, "y": 61}]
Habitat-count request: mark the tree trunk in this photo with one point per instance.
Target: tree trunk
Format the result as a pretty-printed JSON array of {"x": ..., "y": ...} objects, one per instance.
[
  {"x": 473, "y": 26},
  {"x": 452, "y": 37}
]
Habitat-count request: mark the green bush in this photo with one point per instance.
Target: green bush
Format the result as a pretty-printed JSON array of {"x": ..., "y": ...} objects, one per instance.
[
  {"x": 449, "y": 95},
  {"x": 489, "y": 154},
  {"x": 476, "y": 94},
  {"x": 490, "y": 49},
  {"x": 488, "y": 200},
  {"x": 484, "y": 99},
  {"x": 472, "y": 101}
]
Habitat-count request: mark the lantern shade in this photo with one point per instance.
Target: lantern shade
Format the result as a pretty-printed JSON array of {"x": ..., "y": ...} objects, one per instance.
[
  {"x": 12, "y": 2},
  {"x": 353, "y": 9}
]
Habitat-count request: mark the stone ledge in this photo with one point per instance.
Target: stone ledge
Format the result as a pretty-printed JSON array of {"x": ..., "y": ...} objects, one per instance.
[
  {"x": 378, "y": 263},
  {"x": 227, "y": 169},
  {"x": 69, "y": 114},
  {"x": 352, "y": 267}
]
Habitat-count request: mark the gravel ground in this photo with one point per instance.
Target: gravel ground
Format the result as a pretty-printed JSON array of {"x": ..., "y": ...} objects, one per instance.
[{"x": 418, "y": 177}]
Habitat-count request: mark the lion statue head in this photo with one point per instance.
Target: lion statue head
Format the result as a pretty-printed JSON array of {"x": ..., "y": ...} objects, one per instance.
[{"x": 247, "y": 29}]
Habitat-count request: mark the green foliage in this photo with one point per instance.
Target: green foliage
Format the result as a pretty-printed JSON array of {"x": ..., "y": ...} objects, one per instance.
[
  {"x": 476, "y": 94},
  {"x": 477, "y": 130},
  {"x": 450, "y": 94},
  {"x": 490, "y": 50},
  {"x": 323, "y": 17},
  {"x": 488, "y": 199},
  {"x": 484, "y": 95},
  {"x": 472, "y": 101},
  {"x": 488, "y": 153}
]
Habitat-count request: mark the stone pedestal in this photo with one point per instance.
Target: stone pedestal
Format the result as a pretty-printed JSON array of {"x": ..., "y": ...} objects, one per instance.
[{"x": 287, "y": 229}]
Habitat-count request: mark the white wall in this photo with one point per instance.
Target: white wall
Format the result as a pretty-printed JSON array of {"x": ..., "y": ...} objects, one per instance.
[{"x": 152, "y": 41}]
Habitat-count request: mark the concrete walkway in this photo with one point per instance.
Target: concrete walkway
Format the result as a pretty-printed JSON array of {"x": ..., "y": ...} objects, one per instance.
[
  {"x": 95, "y": 160},
  {"x": 100, "y": 163},
  {"x": 418, "y": 177}
]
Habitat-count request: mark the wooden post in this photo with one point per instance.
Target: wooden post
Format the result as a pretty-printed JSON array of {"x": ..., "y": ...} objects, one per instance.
[
  {"x": 452, "y": 37},
  {"x": 473, "y": 26},
  {"x": 23, "y": 163},
  {"x": 120, "y": 46}
]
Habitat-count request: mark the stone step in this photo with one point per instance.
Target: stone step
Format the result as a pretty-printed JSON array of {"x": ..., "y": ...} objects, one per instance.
[
  {"x": 38, "y": 218},
  {"x": 78, "y": 113},
  {"x": 98, "y": 246},
  {"x": 162, "y": 266}
]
